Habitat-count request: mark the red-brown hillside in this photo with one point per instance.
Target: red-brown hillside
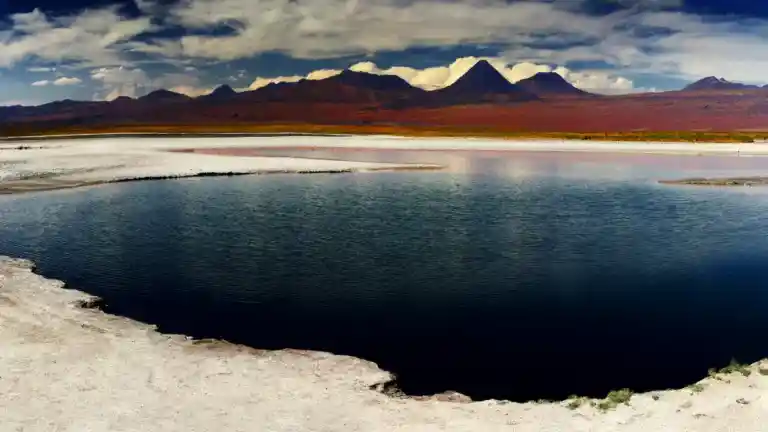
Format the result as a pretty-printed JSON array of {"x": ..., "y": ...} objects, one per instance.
[{"x": 482, "y": 99}]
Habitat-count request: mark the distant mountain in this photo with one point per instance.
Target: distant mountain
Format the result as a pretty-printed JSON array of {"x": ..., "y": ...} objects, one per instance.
[
  {"x": 220, "y": 93},
  {"x": 482, "y": 97},
  {"x": 370, "y": 81},
  {"x": 346, "y": 87},
  {"x": 163, "y": 95},
  {"x": 550, "y": 84},
  {"x": 714, "y": 83},
  {"x": 482, "y": 83}
]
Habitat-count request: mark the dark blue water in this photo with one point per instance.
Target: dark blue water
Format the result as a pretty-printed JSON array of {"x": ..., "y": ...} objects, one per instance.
[{"x": 488, "y": 282}]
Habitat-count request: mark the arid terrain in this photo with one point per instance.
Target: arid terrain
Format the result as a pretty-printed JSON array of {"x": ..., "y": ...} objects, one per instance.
[{"x": 481, "y": 103}]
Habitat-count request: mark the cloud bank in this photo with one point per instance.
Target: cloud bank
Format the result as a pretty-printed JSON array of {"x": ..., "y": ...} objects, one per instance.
[
  {"x": 628, "y": 41},
  {"x": 134, "y": 82}
]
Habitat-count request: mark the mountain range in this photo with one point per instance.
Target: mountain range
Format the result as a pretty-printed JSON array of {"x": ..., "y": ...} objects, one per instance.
[
  {"x": 482, "y": 97},
  {"x": 715, "y": 83}
]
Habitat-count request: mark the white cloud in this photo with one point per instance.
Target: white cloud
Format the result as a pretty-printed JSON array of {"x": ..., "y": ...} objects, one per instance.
[
  {"x": 67, "y": 81},
  {"x": 92, "y": 36},
  {"x": 191, "y": 91},
  {"x": 332, "y": 28},
  {"x": 41, "y": 69},
  {"x": 23, "y": 102},
  {"x": 135, "y": 82},
  {"x": 441, "y": 76},
  {"x": 41, "y": 83},
  {"x": 314, "y": 75},
  {"x": 121, "y": 81},
  {"x": 684, "y": 46}
]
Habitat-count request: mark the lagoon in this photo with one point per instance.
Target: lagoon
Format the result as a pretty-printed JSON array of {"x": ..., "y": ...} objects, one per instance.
[{"x": 518, "y": 276}]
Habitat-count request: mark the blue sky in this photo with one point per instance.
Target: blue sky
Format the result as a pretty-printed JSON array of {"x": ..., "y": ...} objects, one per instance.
[{"x": 97, "y": 49}]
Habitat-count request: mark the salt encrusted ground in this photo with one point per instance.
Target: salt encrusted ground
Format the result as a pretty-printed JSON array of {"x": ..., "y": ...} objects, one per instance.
[
  {"x": 54, "y": 164},
  {"x": 30, "y": 164},
  {"x": 68, "y": 368}
]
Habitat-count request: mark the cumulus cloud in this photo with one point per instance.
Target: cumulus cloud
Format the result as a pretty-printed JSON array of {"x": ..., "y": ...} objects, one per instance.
[
  {"x": 66, "y": 81},
  {"x": 41, "y": 83},
  {"x": 639, "y": 37},
  {"x": 92, "y": 36},
  {"x": 135, "y": 82},
  {"x": 433, "y": 78},
  {"x": 191, "y": 90},
  {"x": 332, "y": 28},
  {"x": 121, "y": 81},
  {"x": 314, "y": 75}
]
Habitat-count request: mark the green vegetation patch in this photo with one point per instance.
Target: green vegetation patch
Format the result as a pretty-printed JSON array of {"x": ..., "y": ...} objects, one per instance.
[
  {"x": 575, "y": 402},
  {"x": 615, "y": 398},
  {"x": 735, "y": 366}
]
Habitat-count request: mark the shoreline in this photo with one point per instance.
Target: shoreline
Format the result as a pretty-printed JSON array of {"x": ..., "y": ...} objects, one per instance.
[
  {"x": 65, "y": 162},
  {"x": 405, "y": 130},
  {"x": 719, "y": 181},
  {"x": 70, "y": 163},
  {"x": 41, "y": 185},
  {"x": 143, "y": 378},
  {"x": 508, "y": 139}
]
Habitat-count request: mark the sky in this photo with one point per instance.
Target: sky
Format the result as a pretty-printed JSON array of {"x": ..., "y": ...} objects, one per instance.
[{"x": 101, "y": 49}]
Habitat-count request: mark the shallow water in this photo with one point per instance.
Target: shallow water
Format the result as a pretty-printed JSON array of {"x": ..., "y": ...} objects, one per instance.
[{"x": 515, "y": 277}]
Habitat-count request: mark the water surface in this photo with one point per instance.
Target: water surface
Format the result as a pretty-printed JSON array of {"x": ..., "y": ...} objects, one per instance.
[{"x": 504, "y": 277}]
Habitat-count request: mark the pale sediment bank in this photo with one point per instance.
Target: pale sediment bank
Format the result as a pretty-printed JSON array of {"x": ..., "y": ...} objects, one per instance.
[
  {"x": 36, "y": 184},
  {"x": 44, "y": 164},
  {"x": 548, "y": 145},
  {"x": 68, "y": 366},
  {"x": 62, "y": 164},
  {"x": 719, "y": 181}
]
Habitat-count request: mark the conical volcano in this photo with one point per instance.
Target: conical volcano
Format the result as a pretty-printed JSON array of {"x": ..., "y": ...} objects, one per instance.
[
  {"x": 223, "y": 91},
  {"x": 483, "y": 83}
]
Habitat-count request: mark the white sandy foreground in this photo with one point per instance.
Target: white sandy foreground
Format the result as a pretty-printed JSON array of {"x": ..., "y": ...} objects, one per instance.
[
  {"x": 50, "y": 164},
  {"x": 67, "y": 368}
]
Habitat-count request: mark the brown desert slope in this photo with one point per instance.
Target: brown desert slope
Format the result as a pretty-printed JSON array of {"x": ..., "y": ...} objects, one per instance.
[{"x": 481, "y": 99}]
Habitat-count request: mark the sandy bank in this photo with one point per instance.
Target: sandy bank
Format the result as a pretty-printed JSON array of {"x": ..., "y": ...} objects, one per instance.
[{"x": 68, "y": 367}]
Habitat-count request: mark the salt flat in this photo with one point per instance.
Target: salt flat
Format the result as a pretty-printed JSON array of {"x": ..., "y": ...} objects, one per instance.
[
  {"x": 54, "y": 164},
  {"x": 69, "y": 368},
  {"x": 62, "y": 163}
]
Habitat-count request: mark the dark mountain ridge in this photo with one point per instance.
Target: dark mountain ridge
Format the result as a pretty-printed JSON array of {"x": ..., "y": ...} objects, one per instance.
[
  {"x": 715, "y": 83},
  {"x": 550, "y": 84},
  {"x": 482, "y": 83}
]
